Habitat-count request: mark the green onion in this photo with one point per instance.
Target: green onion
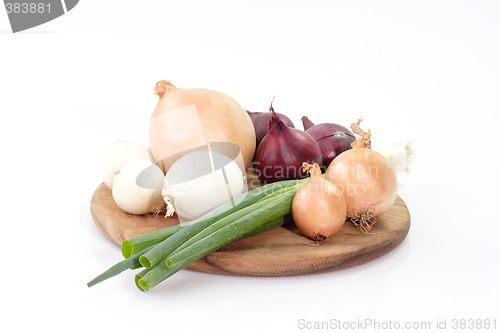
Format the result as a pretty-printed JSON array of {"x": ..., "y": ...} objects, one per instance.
[
  {"x": 138, "y": 276},
  {"x": 165, "y": 252},
  {"x": 158, "y": 252},
  {"x": 130, "y": 262},
  {"x": 196, "y": 231},
  {"x": 149, "y": 278},
  {"x": 232, "y": 218},
  {"x": 265, "y": 212},
  {"x": 138, "y": 243}
]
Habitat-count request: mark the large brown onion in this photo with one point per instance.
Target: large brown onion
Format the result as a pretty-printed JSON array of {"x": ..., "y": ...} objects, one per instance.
[{"x": 187, "y": 119}]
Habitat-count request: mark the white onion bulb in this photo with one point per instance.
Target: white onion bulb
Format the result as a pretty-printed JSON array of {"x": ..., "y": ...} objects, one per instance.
[
  {"x": 137, "y": 187},
  {"x": 199, "y": 182},
  {"x": 120, "y": 153},
  {"x": 400, "y": 156}
]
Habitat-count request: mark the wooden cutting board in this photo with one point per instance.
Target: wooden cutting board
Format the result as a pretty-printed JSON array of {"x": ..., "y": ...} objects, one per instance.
[{"x": 279, "y": 252}]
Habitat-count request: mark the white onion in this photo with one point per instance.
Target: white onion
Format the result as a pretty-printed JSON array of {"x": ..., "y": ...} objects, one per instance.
[
  {"x": 137, "y": 187},
  {"x": 196, "y": 184},
  {"x": 119, "y": 154},
  {"x": 400, "y": 156}
]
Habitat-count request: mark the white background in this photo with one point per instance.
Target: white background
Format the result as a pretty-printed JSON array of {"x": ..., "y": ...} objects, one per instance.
[{"x": 422, "y": 70}]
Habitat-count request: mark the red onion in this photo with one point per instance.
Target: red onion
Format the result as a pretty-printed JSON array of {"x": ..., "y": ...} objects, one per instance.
[
  {"x": 261, "y": 121},
  {"x": 253, "y": 115},
  {"x": 283, "y": 150},
  {"x": 333, "y": 139}
]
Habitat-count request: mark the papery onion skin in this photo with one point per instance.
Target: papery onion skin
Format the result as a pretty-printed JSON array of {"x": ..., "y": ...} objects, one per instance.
[
  {"x": 221, "y": 118},
  {"x": 261, "y": 121},
  {"x": 333, "y": 139},
  {"x": 319, "y": 208},
  {"x": 367, "y": 179},
  {"x": 282, "y": 151}
]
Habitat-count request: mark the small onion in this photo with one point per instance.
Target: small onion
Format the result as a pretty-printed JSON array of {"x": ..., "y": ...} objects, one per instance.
[
  {"x": 137, "y": 188},
  {"x": 119, "y": 154},
  {"x": 318, "y": 208}
]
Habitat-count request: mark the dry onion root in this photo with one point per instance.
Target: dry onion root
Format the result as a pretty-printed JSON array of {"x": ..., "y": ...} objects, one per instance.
[{"x": 367, "y": 179}]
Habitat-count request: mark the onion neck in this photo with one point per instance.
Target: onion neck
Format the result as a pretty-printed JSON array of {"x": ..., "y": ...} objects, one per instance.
[
  {"x": 364, "y": 140},
  {"x": 275, "y": 119},
  {"x": 313, "y": 169},
  {"x": 307, "y": 123},
  {"x": 162, "y": 87}
]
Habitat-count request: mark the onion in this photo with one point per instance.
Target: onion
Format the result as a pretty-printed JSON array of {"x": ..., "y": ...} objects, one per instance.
[
  {"x": 119, "y": 154},
  {"x": 400, "y": 156},
  {"x": 253, "y": 115},
  {"x": 282, "y": 151},
  {"x": 200, "y": 181},
  {"x": 137, "y": 188},
  {"x": 186, "y": 119},
  {"x": 367, "y": 179},
  {"x": 333, "y": 139},
  {"x": 261, "y": 124},
  {"x": 318, "y": 208}
]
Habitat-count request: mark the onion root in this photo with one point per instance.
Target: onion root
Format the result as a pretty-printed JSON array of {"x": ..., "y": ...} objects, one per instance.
[{"x": 364, "y": 220}]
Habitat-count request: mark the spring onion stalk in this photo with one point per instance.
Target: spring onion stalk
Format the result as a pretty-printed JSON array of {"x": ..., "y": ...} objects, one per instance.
[
  {"x": 259, "y": 210},
  {"x": 130, "y": 262},
  {"x": 138, "y": 243},
  {"x": 231, "y": 219},
  {"x": 158, "y": 252},
  {"x": 139, "y": 276},
  {"x": 149, "y": 278},
  {"x": 265, "y": 212},
  {"x": 198, "y": 231}
]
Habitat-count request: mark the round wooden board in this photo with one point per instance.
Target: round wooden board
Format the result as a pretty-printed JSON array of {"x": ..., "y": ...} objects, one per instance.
[{"x": 279, "y": 252}]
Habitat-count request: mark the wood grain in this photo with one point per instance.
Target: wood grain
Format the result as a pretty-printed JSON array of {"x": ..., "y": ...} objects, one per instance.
[{"x": 279, "y": 252}]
